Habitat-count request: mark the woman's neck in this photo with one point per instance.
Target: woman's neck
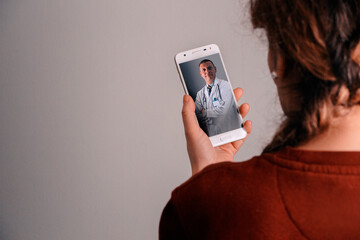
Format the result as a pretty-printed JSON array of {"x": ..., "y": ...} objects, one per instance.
[{"x": 342, "y": 135}]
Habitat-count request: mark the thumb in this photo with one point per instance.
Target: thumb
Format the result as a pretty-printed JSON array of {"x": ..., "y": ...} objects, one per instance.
[{"x": 188, "y": 115}]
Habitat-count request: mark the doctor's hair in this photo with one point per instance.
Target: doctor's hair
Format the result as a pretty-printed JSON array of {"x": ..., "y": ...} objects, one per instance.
[
  {"x": 319, "y": 43},
  {"x": 206, "y": 60}
]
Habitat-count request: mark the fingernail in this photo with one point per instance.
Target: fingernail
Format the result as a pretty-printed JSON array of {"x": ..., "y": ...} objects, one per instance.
[{"x": 185, "y": 99}]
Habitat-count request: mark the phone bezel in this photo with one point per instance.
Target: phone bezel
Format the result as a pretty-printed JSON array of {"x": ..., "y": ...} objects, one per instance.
[{"x": 200, "y": 52}]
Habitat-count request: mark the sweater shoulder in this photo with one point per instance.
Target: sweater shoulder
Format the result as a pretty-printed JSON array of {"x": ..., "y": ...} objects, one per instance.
[
  {"x": 242, "y": 196},
  {"x": 245, "y": 183},
  {"x": 251, "y": 172}
]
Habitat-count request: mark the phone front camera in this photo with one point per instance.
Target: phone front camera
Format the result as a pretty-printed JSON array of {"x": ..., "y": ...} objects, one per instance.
[
  {"x": 204, "y": 49},
  {"x": 184, "y": 55}
]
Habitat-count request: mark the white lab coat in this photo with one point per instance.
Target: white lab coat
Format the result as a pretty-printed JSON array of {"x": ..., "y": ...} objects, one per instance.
[{"x": 220, "y": 111}]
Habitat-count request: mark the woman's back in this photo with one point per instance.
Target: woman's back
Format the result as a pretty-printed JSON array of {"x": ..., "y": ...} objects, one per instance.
[
  {"x": 306, "y": 184},
  {"x": 291, "y": 194}
]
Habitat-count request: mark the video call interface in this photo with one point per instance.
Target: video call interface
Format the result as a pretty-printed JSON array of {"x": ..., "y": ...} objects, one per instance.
[{"x": 207, "y": 84}]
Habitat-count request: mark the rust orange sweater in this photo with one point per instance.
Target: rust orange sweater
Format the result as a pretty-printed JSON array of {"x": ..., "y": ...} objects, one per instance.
[{"x": 290, "y": 194}]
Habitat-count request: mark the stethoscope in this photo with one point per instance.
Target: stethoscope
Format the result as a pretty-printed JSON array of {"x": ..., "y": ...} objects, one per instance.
[{"x": 220, "y": 99}]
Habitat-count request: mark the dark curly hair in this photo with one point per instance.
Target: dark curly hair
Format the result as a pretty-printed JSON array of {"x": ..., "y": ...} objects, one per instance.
[{"x": 319, "y": 43}]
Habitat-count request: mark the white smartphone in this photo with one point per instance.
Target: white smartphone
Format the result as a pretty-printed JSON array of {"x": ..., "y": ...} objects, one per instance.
[{"x": 205, "y": 79}]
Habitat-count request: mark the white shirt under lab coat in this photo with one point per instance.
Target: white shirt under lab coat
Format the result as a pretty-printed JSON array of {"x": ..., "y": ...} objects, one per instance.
[{"x": 220, "y": 112}]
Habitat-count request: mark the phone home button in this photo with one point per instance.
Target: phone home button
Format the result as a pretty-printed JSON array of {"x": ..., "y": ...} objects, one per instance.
[{"x": 225, "y": 138}]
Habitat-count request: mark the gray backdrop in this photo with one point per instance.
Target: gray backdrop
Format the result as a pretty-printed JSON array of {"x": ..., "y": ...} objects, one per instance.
[{"x": 91, "y": 138}]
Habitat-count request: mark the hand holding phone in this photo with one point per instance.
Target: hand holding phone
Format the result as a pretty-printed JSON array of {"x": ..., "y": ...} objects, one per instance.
[
  {"x": 204, "y": 78},
  {"x": 199, "y": 147},
  {"x": 211, "y": 117}
]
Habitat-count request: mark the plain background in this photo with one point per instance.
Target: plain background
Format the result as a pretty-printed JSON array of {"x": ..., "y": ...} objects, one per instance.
[{"x": 91, "y": 138}]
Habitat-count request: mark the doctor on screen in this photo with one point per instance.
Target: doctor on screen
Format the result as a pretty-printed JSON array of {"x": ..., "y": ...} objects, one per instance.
[{"x": 214, "y": 103}]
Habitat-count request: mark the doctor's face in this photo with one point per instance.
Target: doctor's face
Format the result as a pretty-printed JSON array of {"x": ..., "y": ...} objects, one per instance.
[{"x": 208, "y": 72}]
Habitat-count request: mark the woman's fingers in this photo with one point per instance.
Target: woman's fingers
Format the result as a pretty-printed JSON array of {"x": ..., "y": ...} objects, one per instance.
[
  {"x": 200, "y": 150},
  {"x": 238, "y": 93},
  {"x": 248, "y": 129},
  {"x": 244, "y": 109},
  {"x": 189, "y": 118}
]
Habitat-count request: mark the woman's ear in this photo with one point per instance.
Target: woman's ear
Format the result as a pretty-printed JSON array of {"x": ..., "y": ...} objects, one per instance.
[
  {"x": 287, "y": 86},
  {"x": 355, "y": 54},
  {"x": 276, "y": 64},
  {"x": 272, "y": 59}
]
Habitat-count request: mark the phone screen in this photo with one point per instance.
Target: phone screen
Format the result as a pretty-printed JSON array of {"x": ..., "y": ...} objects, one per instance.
[{"x": 207, "y": 83}]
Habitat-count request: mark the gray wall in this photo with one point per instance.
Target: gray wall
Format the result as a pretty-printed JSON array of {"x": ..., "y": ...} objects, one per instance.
[{"x": 91, "y": 138}]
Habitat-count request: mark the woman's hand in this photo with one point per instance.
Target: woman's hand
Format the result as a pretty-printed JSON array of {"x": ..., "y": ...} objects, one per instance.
[{"x": 200, "y": 150}]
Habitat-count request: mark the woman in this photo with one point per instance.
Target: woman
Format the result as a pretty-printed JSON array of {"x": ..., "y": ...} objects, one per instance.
[{"x": 306, "y": 184}]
